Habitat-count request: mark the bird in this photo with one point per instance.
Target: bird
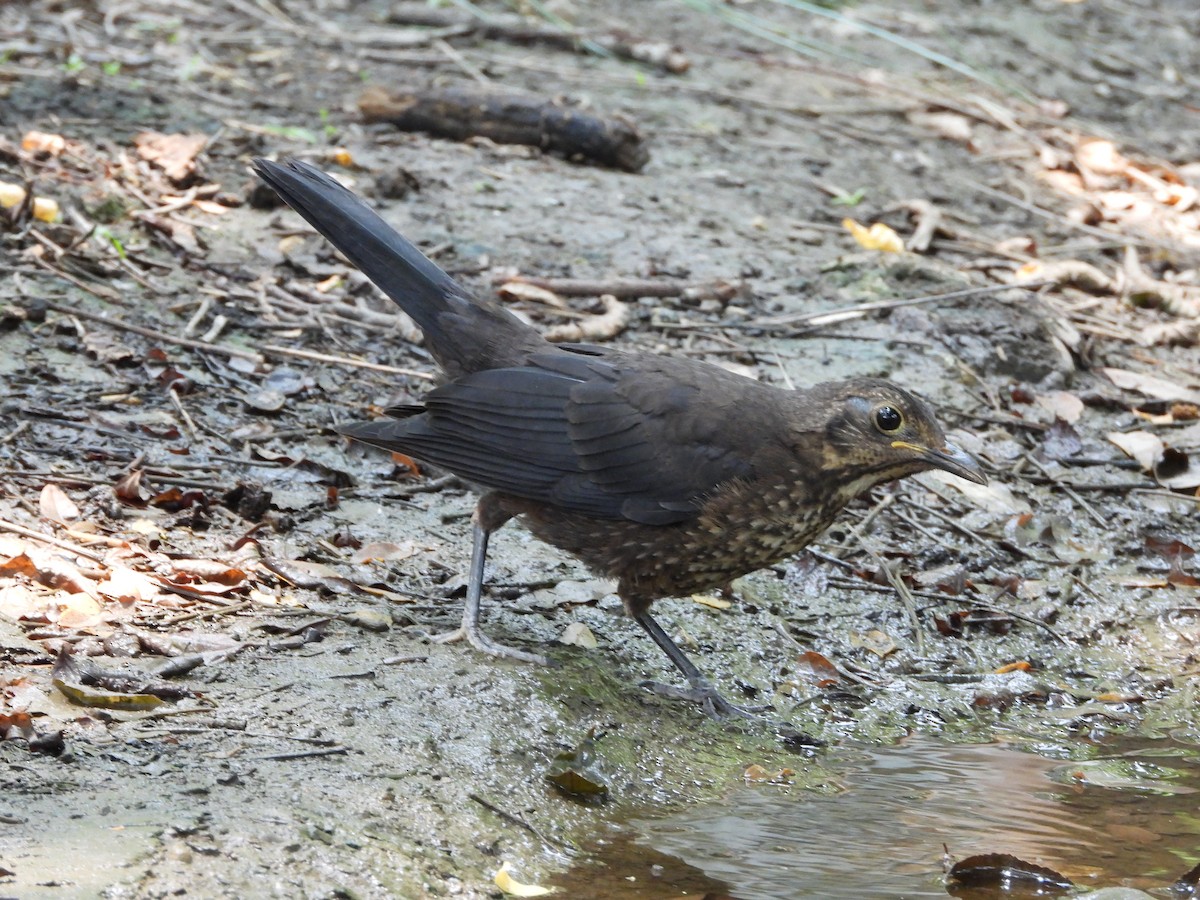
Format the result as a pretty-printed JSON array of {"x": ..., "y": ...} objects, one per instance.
[{"x": 671, "y": 475}]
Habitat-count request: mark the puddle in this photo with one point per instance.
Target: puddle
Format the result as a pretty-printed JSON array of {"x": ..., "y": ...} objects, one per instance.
[{"x": 1126, "y": 816}]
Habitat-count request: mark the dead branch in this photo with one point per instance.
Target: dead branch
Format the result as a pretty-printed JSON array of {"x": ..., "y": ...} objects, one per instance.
[
  {"x": 465, "y": 112},
  {"x": 630, "y": 288}
]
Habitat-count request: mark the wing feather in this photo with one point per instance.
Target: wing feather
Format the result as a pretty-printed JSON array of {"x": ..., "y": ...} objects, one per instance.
[{"x": 579, "y": 431}]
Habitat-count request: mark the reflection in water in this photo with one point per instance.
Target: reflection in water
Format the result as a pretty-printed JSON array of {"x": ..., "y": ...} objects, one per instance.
[{"x": 883, "y": 834}]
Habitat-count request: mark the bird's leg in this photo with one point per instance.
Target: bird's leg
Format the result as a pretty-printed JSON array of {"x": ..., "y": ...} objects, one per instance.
[
  {"x": 701, "y": 690},
  {"x": 469, "y": 629}
]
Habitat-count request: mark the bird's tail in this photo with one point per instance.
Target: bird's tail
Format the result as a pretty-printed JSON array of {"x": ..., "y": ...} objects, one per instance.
[{"x": 463, "y": 334}]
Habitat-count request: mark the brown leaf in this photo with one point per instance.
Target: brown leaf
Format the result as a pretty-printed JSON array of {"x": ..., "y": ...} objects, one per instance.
[
  {"x": 1150, "y": 385},
  {"x": 56, "y": 506},
  {"x": 174, "y": 499},
  {"x": 175, "y": 154},
  {"x": 1174, "y": 552},
  {"x": 384, "y": 551},
  {"x": 38, "y": 142},
  {"x": 819, "y": 669},
  {"x": 129, "y": 489}
]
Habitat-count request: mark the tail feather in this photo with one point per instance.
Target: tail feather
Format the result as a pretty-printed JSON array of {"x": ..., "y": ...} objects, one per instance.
[{"x": 463, "y": 334}]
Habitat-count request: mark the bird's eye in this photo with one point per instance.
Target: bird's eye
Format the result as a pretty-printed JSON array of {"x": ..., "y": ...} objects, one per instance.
[{"x": 888, "y": 419}]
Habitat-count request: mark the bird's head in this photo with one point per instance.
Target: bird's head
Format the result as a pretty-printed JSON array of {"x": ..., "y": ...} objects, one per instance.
[{"x": 877, "y": 431}]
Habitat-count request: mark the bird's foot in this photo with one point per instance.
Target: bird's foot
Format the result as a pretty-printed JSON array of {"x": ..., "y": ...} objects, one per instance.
[
  {"x": 484, "y": 644},
  {"x": 702, "y": 692}
]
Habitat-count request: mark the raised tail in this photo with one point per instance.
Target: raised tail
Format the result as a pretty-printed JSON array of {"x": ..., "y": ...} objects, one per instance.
[{"x": 463, "y": 334}]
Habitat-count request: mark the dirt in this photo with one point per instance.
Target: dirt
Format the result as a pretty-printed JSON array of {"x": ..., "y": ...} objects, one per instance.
[{"x": 327, "y": 748}]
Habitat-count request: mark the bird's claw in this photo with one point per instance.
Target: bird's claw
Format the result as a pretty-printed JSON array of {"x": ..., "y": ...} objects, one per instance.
[
  {"x": 716, "y": 706},
  {"x": 484, "y": 644}
]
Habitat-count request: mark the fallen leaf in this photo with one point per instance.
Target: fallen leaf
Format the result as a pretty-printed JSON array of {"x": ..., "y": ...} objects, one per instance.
[
  {"x": 85, "y": 696},
  {"x": 386, "y": 551},
  {"x": 1021, "y": 666},
  {"x": 175, "y": 154},
  {"x": 710, "y": 601},
  {"x": 514, "y": 888},
  {"x": 949, "y": 125},
  {"x": 876, "y": 237},
  {"x": 40, "y": 142},
  {"x": 756, "y": 774},
  {"x": 876, "y": 641},
  {"x": 1100, "y": 156},
  {"x": 818, "y": 669},
  {"x": 578, "y": 635},
  {"x": 129, "y": 585},
  {"x": 1143, "y": 446},
  {"x": 1062, "y": 405},
  {"x": 1150, "y": 385},
  {"x": 992, "y": 497},
  {"x": 55, "y": 505},
  {"x": 77, "y": 610}
]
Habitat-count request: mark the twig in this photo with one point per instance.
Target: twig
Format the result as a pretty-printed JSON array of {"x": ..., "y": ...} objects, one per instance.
[
  {"x": 304, "y": 754},
  {"x": 521, "y": 823},
  {"x": 53, "y": 541},
  {"x": 630, "y": 288},
  {"x": 793, "y": 319},
  {"x": 183, "y": 413},
  {"x": 344, "y": 361},
  {"x": 905, "y": 595},
  {"x": 1069, "y": 491},
  {"x": 234, "y": 352}
]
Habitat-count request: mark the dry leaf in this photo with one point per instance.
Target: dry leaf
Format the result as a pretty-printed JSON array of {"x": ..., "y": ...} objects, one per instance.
[
  {"x": 710, "y": 601},
  {"x": 40, "y": 142},
  {"x": 876, "y": 641},
  {"x": 514, "y": 888},
  {"x": 949, "y": 125},
  {"x": 128, "y": 585},
  {"x": 993, "y": 497},
  {"x": 55, "y": 505},
  {"x": 578, "y": 635},
  {"x": 1150, "y": 385},
  {"x": 818, "y": 669},
  {"x": 77, "y": 610},
  {"x": 756, "y": 774},
  {"x": 384, "y": 551},
  {"x": 877, "y": 237},
  {"x": 1143, "y": 446},
  {"x": 1101, "y": 156},
  {"x": 1062, "y": 405},
  {"x": 175, "y": 154},
  {"x": 1021, "y": 666}
]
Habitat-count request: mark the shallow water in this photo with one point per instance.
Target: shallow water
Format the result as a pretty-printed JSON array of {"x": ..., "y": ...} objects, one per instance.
[{"x": 1127, "y": 816}]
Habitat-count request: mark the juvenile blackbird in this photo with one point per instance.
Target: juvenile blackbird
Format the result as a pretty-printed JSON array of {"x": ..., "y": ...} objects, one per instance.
[{"x": 670, "y": 475}]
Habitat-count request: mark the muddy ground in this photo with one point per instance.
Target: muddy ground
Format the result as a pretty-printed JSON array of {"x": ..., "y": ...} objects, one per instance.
[{"x": 326, "y": 748}]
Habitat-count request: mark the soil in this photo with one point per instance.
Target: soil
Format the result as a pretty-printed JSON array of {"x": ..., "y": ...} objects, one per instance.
[{"x": 324, "y": 747}]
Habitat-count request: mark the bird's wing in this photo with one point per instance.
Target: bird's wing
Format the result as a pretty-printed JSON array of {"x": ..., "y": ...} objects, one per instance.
[{"x": 579, "y": 431}]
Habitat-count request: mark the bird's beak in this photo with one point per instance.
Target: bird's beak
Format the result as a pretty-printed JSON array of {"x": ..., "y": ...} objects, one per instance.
[{"x": 950, "y": 459}]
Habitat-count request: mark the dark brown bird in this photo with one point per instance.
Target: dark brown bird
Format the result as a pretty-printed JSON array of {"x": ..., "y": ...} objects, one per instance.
[{"x": 671, "y": 475}]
